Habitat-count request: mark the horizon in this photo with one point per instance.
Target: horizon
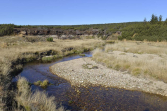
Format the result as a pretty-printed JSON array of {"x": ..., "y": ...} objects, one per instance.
[
  {"x": 83, "y": 24},
  {"x": 88, "y": 12}
]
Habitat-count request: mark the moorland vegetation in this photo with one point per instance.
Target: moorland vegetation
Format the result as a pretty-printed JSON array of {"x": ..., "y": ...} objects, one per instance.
[
  {"x": 15, "y": 52},
  {"x": 153, "y": 30},
  {"x": 138, "y": 58}
]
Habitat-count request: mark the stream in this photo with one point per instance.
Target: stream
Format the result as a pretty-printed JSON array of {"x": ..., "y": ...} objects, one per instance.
[{"x": 91, "y": 98}]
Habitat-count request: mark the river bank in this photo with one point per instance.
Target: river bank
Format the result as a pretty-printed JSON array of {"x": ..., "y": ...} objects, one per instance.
[
  {"x": 22, "y": 52},
  {"x": 86, "y": 72},
  {"x": 89, "y": 98}
]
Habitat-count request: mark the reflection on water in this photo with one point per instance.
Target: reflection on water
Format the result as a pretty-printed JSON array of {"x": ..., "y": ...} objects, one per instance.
[{"x": 92, "y": 98}]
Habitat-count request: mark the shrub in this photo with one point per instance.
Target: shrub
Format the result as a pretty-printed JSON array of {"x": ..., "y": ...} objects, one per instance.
[
  {"x": 50, "y": 39},
  {"x": 6, "y": 29}
]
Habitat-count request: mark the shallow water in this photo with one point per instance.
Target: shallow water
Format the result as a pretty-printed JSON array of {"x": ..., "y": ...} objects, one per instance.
[{"x": 91, "y": 98}]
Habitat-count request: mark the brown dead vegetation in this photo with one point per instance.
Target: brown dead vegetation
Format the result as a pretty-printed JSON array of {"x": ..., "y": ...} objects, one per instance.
[{"x": 15, "y": 51}]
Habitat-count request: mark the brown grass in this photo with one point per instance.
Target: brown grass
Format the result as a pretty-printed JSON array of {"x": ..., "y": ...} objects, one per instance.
[
  {"x": 140, "y": 59},
  {"x": 14, "y": 49},
  {"x": 22, "y": 49},
  {"x": 38, "y": 101},
  {"x": 145, "y": 47}
]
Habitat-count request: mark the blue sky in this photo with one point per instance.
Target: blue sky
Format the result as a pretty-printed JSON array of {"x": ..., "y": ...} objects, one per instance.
[{"x": 74, "y": 12}]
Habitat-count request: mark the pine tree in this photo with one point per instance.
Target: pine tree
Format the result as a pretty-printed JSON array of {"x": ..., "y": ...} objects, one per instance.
[
  {"x": 154, "y": 19},
  {"x": 160, "y": 18}
]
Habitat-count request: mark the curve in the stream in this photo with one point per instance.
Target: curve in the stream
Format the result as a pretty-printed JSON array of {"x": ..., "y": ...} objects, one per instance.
[{"x": 92, "y": 98}]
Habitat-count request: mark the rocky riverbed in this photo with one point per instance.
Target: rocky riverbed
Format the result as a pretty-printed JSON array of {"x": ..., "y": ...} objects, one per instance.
[{"x": 86, "y": 72}]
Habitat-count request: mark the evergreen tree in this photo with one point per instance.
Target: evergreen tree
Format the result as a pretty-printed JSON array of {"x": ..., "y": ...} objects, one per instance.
[
  {"x": 154, "y": 19},
  {"x": 160, "y": 18}
]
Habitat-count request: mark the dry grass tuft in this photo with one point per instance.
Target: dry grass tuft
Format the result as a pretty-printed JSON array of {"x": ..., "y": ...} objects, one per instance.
[
  {"x": 38, "y": 101},
  {"x": 23, "y": 87}
]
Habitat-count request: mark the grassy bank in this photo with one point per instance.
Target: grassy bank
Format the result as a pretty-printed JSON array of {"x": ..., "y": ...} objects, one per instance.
[
  {"x": 148, "y": 59},
  {"x": 37, "y": 101},
  {"x": 16, "y": 51}
]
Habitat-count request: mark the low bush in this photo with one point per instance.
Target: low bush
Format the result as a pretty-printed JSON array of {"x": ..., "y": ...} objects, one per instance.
[
  {"x": 6, "y": 29},
  {"x": 50, "y": 39}
]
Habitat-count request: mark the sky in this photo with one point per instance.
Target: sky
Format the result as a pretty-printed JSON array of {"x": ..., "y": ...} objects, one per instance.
[{"x": 77, "y": 12}]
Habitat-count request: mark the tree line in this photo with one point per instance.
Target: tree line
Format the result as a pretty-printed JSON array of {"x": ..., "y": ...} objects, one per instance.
[
  {"x": 153, "y": 30},
  {"x": 6, "y": 29}
]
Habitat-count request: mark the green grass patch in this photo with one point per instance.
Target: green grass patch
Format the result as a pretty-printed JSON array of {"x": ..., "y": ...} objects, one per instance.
[
  {"x": 78, "y": 51},
  {"x": 37, "y": 83},
  {"x": 50, "y": 39},
  {"x": 48, "y": 59},
  {"x": 81, "y": 54},
  {"x": 43, "y": 84}
]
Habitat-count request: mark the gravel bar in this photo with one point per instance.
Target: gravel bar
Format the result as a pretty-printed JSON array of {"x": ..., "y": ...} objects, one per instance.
[{"x": 85, "y": 72}]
